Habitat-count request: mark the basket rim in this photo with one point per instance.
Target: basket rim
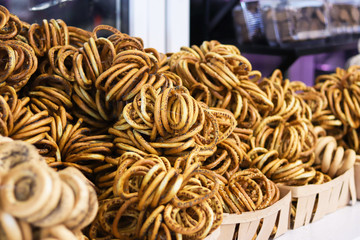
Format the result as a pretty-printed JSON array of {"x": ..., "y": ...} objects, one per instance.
[
  {"x": 284, "y": 202},
  {"x": 308, "y": 190}
]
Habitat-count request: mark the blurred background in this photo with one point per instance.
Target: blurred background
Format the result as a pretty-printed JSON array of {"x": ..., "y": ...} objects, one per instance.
[
  {"x": 169, "y": 24},
  {"x": 81, "y": 13}
]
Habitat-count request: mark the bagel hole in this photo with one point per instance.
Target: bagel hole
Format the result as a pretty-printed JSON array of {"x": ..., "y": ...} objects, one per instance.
[
  {"x": 24, "y": 188},
  {"x": 127, "y": 222},
  {"x": 192, "y": 214},
  {"x": 4, "y": 60}
]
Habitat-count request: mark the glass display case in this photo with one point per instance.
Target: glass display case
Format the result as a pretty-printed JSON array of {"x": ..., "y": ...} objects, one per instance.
[
  {"x": 248, "y": 23},
  {"x": 288, "y": 21},
  {"x": 344, "y": 16},
  {"x": 85, "y": 14}
]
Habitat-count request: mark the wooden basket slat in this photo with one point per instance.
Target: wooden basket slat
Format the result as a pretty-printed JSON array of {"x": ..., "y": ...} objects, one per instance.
[
  {"x": 353, "y": 190},
  {"x": 267, "y": 227},
  {"x": 284, "y": 220},
  {"x": 303, "y": 206},
  {"x": 344, "y": 194},
  {"x": 249, "y": 221},
  {"x": 214, "y": 235},
  {"x": 334, "y": 198},
  {"x": 248, "y": 230},
  {"x": 322, "y": 205},
  {"x": 331, "y": 196},
  {"x": 227, "y": 231},
  {"x": 357, "y": 179}
]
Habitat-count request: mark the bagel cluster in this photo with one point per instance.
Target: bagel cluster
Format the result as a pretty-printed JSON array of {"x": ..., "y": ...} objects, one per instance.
[{"x": 113, "y": 140}]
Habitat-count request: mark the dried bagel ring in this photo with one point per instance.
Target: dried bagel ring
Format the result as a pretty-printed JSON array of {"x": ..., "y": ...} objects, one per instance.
[
  {"x": 93, "y": 202},
  {"x": 248, "y": 190},
  {"x": 59, "y": 232},
  {"x": 178, "y": 203},
  {"x": 36, "y": 191},
  {"x": 5, "y": 139},
  {"x": 153, "y": 217},
  {"x": 9, "y": 227},
  {"x": 81, "y": 205},
  {"x": 125, "y": 230},
  {"x": 62, "y": 210},
  {"x": 334, "y": 160},
  {"x": 10, "y": 63},
  {"x": 327, "y": 156},
  {"x": 349, "y": 161},
  {"x": 78, "y": 36},
  {"x": 226, "y": 159},
  {"x": 26, "y": 230},
  {"x": 107, "y": 211},
  {"x": 52, "y": 202},
  {"x": 17, "y": 152},
  {"x": 49, "y": 34},
  {"x": 342, "y": 94},
  {"x": 210, "y": 218},
  {"x": 172, "y": 221},
  {"x": 321, "y": 144},
  {"x": 5, "y": 16}
]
